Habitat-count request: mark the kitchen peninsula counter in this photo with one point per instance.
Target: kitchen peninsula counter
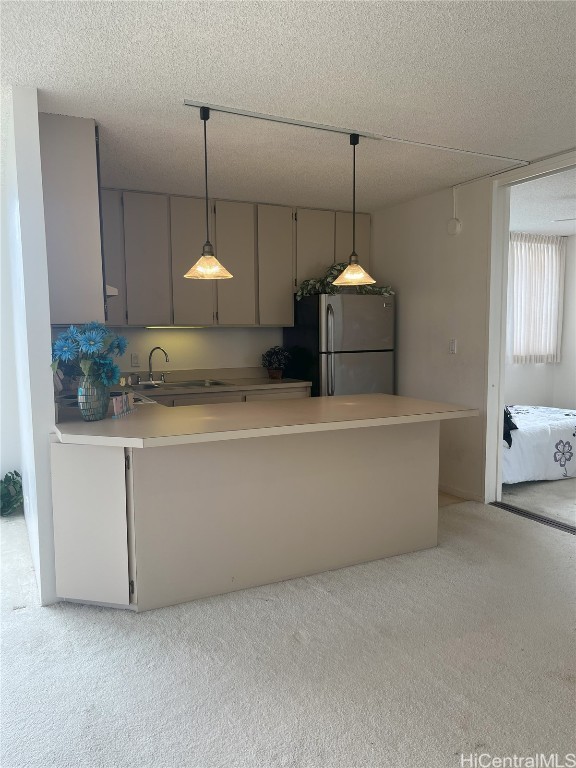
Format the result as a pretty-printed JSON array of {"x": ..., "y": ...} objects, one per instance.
[
  {"x": 206, "y": 499},
  {"x": 154, "y": 425}
]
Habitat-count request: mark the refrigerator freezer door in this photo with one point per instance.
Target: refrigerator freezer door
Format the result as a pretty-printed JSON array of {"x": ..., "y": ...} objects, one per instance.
[
  {"x": 357, "y": 373},
  {"x": 350, "y": 323}
]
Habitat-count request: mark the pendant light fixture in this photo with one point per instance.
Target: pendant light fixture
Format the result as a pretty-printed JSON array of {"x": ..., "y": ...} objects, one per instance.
[
  {"x": 207, "y": 267},
  {"x": 354, "y": 274}
]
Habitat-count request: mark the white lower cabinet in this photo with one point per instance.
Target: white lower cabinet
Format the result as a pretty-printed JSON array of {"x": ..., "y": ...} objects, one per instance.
[
  {"x": 283, "y": 394},
  {"x": 210, "y": 397},
  {"x": 273, "y": 393},
  {"x": 166, "y": 401},
  {"x": 90, "y": 523}
]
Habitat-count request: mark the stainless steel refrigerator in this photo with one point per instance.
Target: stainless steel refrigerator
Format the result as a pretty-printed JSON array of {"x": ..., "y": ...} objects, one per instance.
[{"x": 343, "y": 344}]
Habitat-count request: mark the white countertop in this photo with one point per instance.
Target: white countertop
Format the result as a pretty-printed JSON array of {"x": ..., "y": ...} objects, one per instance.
[{"x": 153, "y": 425}]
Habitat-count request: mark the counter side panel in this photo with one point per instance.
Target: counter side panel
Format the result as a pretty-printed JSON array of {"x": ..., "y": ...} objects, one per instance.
[{"x": 217, "y": 517}]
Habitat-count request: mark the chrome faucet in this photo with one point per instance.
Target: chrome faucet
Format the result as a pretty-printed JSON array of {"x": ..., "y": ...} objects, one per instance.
[{"x": 150, "y": 376}]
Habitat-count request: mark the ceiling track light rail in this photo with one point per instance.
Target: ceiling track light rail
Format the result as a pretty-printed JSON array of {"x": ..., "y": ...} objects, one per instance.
[
  {"x": 278, "y": 119},
  {"x": 347, "y": 131}
]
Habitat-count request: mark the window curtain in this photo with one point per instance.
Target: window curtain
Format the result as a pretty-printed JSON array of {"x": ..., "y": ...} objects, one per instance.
[{"x": 535, "y": 297}]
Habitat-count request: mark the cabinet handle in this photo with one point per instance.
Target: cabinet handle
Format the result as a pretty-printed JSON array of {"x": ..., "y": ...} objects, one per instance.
[{"x": 331, "y": 366}]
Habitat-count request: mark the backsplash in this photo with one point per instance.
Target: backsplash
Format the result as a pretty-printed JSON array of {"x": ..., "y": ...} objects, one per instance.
[{"x": 193, "y": 348}]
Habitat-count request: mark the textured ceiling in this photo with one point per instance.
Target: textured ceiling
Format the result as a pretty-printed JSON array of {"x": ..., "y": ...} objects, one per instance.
[
  {"x": 490, "y": 77},
  {"x": 535, "y": 205}
]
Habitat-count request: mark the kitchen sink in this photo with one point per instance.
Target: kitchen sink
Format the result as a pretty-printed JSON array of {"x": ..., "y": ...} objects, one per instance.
[{"x": 149, "y": 385}]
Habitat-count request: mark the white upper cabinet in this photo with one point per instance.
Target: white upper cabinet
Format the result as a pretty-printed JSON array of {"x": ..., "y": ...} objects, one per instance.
[
  {"x": 235, "y": 244},
  {"x": 147, "y": 253},
  {"x": 113, "y": 252},
  {"x": 343, "y": 247},
  {"x": 275, "y": 265},
  {"x": 314, "y": 243},
  {"x": 72, "y": 221},
  {"x": 150, "y": 241},
  {"x": 194, "y": 300}
]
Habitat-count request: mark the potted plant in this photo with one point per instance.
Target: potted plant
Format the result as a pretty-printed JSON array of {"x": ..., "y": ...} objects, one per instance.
[
  {"x": 11, "y": 498},
  {"x": 89, "y": 352},
  {"x": 275, "y": 360},
  {"x": 326, "y": 285}
]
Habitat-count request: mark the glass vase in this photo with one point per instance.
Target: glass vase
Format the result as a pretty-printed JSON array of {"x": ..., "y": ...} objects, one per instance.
[{"x": 93, "y": 399}]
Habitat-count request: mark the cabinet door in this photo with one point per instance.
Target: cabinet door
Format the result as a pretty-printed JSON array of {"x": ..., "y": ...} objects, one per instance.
[
  {"x": 275, "y": 265},
  {"x": 279, "y": 394},
  {"x": 90, "y": 529},
  {"x": 72, "y": 218},
  {"x": 343, "y": 247},
  {"x": 113, "y": 252},
  {"x": 235, "y": 242},
  {"x": 314, "y": 243},
  {"x": 147, "y": 250},
  {"x": 194, "y": 300},
  {"x": 209, "y": 398},
  {"x": 168, "y": 402}
]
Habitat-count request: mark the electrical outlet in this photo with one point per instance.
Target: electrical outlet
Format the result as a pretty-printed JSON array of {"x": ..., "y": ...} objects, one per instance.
[
  {"x": 134, "y": 360},
  {"x": 452, "y": 346}
]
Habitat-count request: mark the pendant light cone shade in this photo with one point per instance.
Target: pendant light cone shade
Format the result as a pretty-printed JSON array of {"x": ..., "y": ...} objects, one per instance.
[
  {"x": 207, "y": 267},
  {"x": 354, "y": 274}
]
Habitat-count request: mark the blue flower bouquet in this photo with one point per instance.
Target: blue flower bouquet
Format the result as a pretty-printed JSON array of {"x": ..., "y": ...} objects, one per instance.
[{"x": 89, "y": 352}]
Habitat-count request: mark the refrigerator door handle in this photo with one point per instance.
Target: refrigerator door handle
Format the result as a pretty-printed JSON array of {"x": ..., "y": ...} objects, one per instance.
[{"x": 331, "y": 361}]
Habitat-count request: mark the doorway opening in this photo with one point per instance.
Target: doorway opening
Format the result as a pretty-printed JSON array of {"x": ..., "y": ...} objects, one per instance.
[{"x": 536, "y": 454}]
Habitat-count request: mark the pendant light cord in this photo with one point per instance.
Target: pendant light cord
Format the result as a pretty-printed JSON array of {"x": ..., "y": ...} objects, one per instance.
[
  {"x": 206, "y": 177},
  {"x": 354, "y": 140},
  {"x": 354, "y": 198}
]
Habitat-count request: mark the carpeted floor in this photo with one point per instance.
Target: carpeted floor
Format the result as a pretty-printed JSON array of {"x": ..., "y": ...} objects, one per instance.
[
  {"x": 552, "y": 498},
  {"x": 407, "y": 662}
]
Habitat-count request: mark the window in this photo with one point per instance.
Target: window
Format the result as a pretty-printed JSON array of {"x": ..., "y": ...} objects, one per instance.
[{"x": 535, "y": 297}]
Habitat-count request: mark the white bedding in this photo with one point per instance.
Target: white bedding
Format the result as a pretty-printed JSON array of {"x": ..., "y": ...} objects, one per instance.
[{"x": 543, "y": 446}]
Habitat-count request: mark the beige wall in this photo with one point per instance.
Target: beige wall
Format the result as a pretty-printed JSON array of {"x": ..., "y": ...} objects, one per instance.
[
  {"x": 442, "y": 285},
  {"x": 552, "y": 384},
  {"x": 10, "y": 447},
  {"x": 531, "y": 384},
  {"x": 27, "y": 358},
  {"x": 199, "y": 347}
]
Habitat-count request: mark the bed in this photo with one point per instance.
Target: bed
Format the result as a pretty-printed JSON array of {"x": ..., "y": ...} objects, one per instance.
[{"x": 543, "y": 445}]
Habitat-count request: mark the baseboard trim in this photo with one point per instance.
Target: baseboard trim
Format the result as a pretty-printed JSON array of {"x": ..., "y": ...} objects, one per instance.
[
  {"x": 566, "y": 527},
  {"x": 464, "y": 495}
]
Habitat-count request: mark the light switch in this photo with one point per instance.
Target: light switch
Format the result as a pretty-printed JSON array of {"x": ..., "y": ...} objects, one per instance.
[
  {"x": 134, "y": 360},
  {"x": 452, "y": 346}
]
